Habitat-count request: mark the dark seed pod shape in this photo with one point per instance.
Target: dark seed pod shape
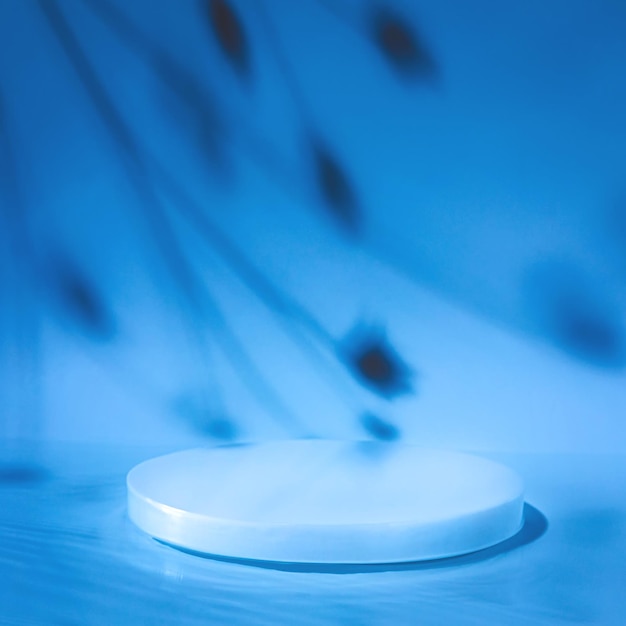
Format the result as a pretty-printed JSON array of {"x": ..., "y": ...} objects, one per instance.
[
  {"x": 22, "y": 474},
  {"x": 221, "y": 428},
  {"x": 230, "y": 35},
  {"x": 379, "y": 428},
  {"x": 335, "y": 188},
  {"x": 196, "y": 409},
  {"x": 589, "y": 332},
  {"x": 576, "y": 315},
  {"x": 194, "y": 110},
  {"x": 375, "y": 363},
  {"x": 400, "y": 45},
  {"x": 81, "y": 299}
]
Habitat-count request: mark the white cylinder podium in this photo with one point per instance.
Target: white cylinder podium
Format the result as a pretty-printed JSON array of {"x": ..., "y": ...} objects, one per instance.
[{"x": 320, "y": 501}]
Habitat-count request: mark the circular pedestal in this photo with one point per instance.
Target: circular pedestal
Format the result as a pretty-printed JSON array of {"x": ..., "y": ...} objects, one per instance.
[{"x": 318, "y": 501}]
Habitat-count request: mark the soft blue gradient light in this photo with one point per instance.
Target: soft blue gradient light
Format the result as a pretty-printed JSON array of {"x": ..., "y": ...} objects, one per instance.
[{"x": 491, "y": 254}]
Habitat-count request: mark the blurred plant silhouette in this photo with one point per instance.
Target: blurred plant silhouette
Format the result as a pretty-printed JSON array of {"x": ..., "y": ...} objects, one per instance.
[
  {"x": 206, "y": 123},
  {"x": 216, "y": 123},
  {"x": 230, "y": 35}
]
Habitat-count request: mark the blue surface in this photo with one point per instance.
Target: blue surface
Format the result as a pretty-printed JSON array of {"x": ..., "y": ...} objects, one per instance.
[{"x": 68, "y": 555}]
